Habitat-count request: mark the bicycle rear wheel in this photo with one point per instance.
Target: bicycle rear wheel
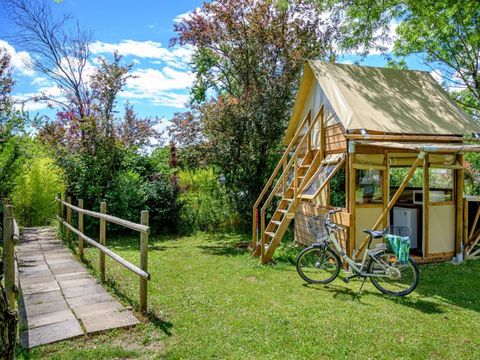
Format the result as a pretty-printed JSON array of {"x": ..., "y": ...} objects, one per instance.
[
  {"x": 393, "y": 277},
  {"x": 317, "y": 265}
]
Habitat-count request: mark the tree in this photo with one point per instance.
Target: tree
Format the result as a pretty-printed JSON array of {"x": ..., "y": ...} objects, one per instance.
[
  {"x": 59, "y": 51},
  {"x": 248, "y": 59},
  {"x": 186, "y": 129},
  {"x": 444, "y": 33},
  {"x": 107, "y": 81}
]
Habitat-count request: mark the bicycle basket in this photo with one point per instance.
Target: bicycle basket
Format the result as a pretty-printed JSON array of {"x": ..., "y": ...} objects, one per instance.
[
  {"x": 397, "y": 239},
  {"x": 316, "y": 227}
]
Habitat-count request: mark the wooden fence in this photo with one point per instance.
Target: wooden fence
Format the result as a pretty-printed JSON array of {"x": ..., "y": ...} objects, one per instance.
[
  {"x": 142, "y": 228},
  {"x": 11, "y": 235}
]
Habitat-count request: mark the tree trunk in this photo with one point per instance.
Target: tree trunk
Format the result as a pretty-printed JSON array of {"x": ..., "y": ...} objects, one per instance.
[{"x": 8, "y": 325}]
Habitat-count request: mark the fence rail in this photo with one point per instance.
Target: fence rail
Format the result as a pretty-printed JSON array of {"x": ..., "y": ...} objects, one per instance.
[{"x": 142, "y": 228}]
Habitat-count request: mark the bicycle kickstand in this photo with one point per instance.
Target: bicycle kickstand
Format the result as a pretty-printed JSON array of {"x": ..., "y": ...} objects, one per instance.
[{"x": 363, "y": 283}]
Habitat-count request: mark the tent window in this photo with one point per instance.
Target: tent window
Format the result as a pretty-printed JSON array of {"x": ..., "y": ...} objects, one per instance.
[
  {"x": 441, "y": 185},
  {"x": 369, "y": 187}
]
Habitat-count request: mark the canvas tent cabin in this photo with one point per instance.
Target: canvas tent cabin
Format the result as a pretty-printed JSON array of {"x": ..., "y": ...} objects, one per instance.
[{"x": 392, "y": 141}]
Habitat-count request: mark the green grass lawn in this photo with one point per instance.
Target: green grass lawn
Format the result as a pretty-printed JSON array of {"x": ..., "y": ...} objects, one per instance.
[{"x": 210, "y": 299}]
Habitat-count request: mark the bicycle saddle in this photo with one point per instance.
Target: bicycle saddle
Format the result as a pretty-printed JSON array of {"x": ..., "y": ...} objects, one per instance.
[{"x": 376, "y": 234}]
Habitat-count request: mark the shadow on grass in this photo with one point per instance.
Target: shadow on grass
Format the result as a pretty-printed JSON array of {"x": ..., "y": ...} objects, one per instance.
[
  {"x": 347, "y": 294},
  {"x": 159, "y": 322}
]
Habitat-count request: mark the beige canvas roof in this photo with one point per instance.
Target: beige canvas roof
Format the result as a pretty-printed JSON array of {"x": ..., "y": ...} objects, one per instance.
[{"x": 382, "y": 99}]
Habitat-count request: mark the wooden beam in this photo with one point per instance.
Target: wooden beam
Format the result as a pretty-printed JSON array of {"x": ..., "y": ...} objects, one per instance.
[
  {"x": 143, "y": 262},
  {"x": 69, "y": 218},
  {"x": 420, "y": 138},
  {"x": 110, "y": 253},
  {"x": 351, "y": 187},
  {"x": 465, "y": 223},
  {"x": 386, "y": 185},
  {"x": 426, "y": 206},
  {"x": 102, "y": 240},
  {"x": 108, "y": 218},
  {"x": 459, "y": 205},
  {"x": 9, "y": 255},
  {"x": 80, "y": 228},
  {"x": 395, "y": 197}
]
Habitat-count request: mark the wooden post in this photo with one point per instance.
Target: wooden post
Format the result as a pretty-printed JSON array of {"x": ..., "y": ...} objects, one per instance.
[
  {"x": 80, "y": 228},
  {"x": 459, "y": 205},
  {"x": 426, "y": 205},
  {"x": 8, "y": 255},
  {"x": 386, "y": 185},
  {"x": 59, "y": 211},
  {"x": 143, "y": 262},
  {"x": 351, "y": 185},
  {"x": 102, "y": 238},
  {"x": 465, "y": 224},
  {"x": 69, "y": 218},
  {"x": 394, "y": 199}
]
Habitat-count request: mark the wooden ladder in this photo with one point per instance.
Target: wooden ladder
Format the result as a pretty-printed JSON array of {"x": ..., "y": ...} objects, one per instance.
[{"x": 288, "y": 180}]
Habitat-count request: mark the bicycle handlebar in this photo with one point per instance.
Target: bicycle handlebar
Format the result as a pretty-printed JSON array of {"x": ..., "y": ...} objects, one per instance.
[{"x": 330, "y": 224}]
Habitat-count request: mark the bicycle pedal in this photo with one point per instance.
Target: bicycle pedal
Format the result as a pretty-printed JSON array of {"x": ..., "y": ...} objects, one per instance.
[{"x": 346, "y": 280}]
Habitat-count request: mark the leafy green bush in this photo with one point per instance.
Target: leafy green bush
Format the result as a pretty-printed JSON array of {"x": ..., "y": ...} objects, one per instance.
[
  {"x": 35, "y": 190},
  {"x": 205, "y": 204}
]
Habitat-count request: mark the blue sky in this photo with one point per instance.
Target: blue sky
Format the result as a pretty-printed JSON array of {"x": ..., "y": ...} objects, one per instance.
[{"x": 140, "y": 30}]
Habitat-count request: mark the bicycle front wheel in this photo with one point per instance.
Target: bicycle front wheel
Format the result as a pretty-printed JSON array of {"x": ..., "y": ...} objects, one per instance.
[
  {"x": 316, "y": 265},
  {"x": 393, "y": 278}
]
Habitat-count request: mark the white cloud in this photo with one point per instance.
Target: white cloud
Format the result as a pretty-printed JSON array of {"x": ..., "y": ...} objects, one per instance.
[
  {"x": 159, "y": 86},
  {"x": 185, "y": 16},
  {"x": 145, "y": 49},
  {"x": 20, "y": 60}
]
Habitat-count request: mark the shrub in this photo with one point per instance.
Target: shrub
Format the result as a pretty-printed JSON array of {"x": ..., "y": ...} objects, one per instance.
[
  {"x": 205, "y": 203},
  {"x": 161, "y": 201},
  {"x": 35, "y": 190}
]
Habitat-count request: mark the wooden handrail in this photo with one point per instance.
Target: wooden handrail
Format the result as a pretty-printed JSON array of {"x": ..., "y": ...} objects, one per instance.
[
  {"x": 143, "y": 228},
  {"x": 280, "y": 163},
  {"x": 107, "y": 251},
  {"x": 284, "y": 176},
  {"x": 327, "y": 180},
  {"x": 109, "y": 218}
]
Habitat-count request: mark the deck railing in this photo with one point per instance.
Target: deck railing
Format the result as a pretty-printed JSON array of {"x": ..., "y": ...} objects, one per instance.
[{"x": 142, "y": 228}]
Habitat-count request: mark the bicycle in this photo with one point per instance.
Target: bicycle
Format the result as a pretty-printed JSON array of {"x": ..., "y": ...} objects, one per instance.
[{"x": 320, "y": 263}]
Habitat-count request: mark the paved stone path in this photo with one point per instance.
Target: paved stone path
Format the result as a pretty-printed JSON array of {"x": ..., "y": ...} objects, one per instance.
[{"x": 60, "y": 300}]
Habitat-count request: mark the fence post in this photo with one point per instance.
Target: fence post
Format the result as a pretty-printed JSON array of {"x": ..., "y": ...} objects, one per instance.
[
  {"x": 8, "y": 254},
  {"x": 69, "y": 218},
  {"x": 59, "y": 211},
  {"x": 103, "y": 228},
  {"x": 80, "y": 228},
  {"x": 143, "y": 262}
]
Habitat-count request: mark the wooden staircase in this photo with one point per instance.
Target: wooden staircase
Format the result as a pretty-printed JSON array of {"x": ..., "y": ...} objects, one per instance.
[{"x": 284, "y": 189}]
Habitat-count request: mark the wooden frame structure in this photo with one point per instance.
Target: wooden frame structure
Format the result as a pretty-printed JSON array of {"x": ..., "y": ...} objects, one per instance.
[{"x": 319, "y": 145}]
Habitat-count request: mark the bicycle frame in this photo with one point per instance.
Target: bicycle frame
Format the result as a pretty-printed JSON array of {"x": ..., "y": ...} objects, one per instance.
[{"x": 357, "y": 268}]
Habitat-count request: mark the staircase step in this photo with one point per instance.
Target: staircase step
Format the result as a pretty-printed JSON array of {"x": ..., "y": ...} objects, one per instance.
[
  {"x": 283, "y": 211},
  {"x": 276, "y": 222},
  {"x": 269, "y": 233}
]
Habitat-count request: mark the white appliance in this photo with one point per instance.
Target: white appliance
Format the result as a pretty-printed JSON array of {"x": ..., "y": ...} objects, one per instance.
[
  {"x": 435, "y": 196},
  {"x": 407, "y": 217}
]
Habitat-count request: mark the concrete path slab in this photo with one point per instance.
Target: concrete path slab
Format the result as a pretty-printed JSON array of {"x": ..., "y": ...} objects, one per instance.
[{"x": 60, "y": 300}]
